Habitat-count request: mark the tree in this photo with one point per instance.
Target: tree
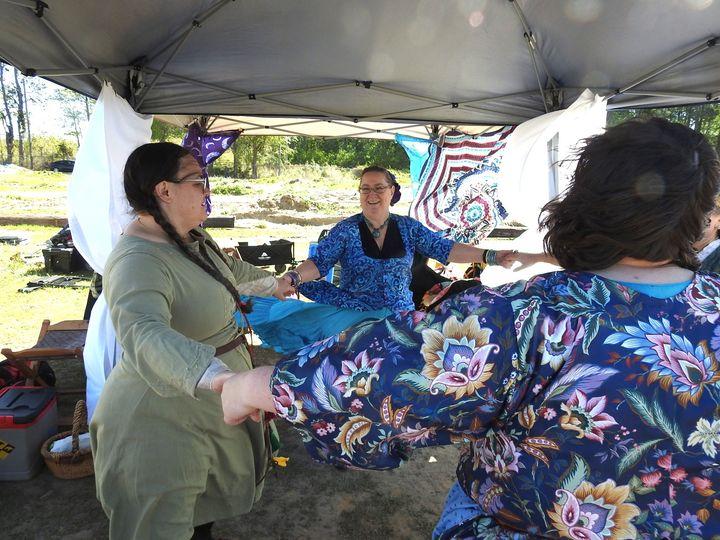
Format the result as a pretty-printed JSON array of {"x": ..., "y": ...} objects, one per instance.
[
  {"x": 703, "y": 118},
  {"x": 348, "y": 152},
  {"x": 21, "y": 126},
  {"x": 76, "y": 111},
  {"x": 29, "y": 133},
  {"x": 64, "y": 149},
  {"x": 7, "y": 119},
  {"x": 259, "y": 150},
  {"x": 162, "y": 131}
]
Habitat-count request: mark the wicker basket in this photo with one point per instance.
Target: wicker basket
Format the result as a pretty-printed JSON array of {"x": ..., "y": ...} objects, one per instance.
[{"x": 76, "y": 463}]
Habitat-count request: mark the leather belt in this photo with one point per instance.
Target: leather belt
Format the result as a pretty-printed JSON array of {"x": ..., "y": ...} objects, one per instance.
[{"x": 234, "y": 344}]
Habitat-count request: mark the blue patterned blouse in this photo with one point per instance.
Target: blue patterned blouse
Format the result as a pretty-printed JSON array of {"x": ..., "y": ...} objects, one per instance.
[
  {"x": 587, "y": 410},
  {"x": 373, "y": 281}
]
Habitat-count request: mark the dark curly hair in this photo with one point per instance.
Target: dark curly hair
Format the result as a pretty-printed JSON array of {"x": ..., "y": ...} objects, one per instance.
[
  {"x": 147, "y": 166},
  {"x": 642, "y": 189}
]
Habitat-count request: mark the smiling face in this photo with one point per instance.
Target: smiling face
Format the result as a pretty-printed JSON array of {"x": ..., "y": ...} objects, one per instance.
[
  {"x": 185, "y": 201},
  {"x": 375, "y": 203}
]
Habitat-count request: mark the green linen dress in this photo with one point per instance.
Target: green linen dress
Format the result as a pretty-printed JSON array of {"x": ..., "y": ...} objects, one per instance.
[{"x": 164, "y": 459}]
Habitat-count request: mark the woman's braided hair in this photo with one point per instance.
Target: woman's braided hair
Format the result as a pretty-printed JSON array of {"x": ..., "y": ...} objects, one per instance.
[{"x": 147, "y": 166}]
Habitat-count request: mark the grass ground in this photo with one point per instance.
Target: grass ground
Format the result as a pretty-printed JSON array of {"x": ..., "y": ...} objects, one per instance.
[
  {"x": 22, "y": 313},
  {"x": 295, "y": 205}
]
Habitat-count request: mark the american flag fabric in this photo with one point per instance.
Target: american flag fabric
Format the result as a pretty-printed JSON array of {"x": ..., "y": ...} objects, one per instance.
[{"x": 457, "y": 188}]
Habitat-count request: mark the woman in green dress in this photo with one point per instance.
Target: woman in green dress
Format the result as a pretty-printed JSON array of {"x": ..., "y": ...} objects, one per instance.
[{"x": 166, "y": 465}]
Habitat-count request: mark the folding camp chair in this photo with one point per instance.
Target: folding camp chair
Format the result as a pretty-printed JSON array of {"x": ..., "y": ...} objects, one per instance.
[{"x": 60, "y": 341}]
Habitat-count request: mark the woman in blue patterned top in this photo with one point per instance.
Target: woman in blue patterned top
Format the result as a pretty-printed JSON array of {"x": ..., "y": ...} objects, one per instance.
[
  {"x": 375, "y": 250},
  {"x": 588, "y": 399}
]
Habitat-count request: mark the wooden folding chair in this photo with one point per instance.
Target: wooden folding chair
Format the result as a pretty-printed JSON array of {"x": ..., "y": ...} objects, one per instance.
[{"x": 63, "y": 340}]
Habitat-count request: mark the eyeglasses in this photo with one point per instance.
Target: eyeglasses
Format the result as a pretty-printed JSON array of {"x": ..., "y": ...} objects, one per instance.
[
  {"x": 378, "y": 190},
  {"x": 198, "y": 180}
]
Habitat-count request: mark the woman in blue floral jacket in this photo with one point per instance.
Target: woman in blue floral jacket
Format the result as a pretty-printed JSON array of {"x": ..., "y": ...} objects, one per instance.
[
  {"x": 375, "y": 250},
  {"x": 588, "y": 399}
]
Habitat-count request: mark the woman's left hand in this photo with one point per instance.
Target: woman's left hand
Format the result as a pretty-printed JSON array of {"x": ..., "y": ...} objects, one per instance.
[{"x": 283, "y": 290}]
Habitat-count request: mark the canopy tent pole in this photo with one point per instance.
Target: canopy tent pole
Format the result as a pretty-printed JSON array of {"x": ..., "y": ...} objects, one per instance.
[
  {"x": 248, "y": 95},
  {"x": 32, "y": 72},
  {"x": 688, "y": 95},
  {"x": 199, "y": 20},
  {"x": 536, "y": 57},
  {"x": 439, "y": 102},
  {"x": 320, "y": 88},
  {"x": 178, "y": 43},
  {"x": 159, "y": 74},
  {"x": 461, "y": 104},
  {"x": 39, "y": 9},
  {"x": 62, "y": 40},
  {"x": 650, "y": 103},
  {"x": 467, "y": 106},
  {"x": 37, "y": 6},
  {"x": 278, "y": 128},
  {"x": 707, "y": 44},
  {"x": 362, "y": 131}
]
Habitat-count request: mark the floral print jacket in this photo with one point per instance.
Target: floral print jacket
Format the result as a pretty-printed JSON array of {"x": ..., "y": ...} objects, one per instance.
[
  {"x": 370, "y": 283},
  {"x": 587, "y": 410}
]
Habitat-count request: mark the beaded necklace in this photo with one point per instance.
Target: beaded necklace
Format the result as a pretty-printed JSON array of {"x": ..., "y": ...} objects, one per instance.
[{"x": 375, "y": 231}]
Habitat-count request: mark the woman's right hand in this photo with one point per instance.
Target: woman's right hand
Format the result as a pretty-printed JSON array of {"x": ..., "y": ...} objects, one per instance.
[{"x": 234, "y": 393}]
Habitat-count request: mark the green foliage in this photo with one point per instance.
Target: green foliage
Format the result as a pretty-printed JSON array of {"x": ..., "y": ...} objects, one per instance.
[
  {"x": 634, "y": 455},
  {"x": 577, "y": 472},
  {"x": 702, "y": 118},
  {"x": 348, "y": 152},
  {"x": 164, "y": 132},
  {"x": 45, "y": 148},
  {"x": 652, "y": 414}
]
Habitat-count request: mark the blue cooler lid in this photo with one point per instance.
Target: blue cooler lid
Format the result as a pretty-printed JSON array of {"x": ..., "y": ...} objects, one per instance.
[{"x": 23, "y": 404}]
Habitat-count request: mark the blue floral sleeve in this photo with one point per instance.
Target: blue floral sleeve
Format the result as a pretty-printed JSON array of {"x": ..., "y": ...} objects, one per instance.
[
  {"x": 330, "y": 248},
  {"x": 429, "y": 243},
  {"x": 365, "y": 398}
]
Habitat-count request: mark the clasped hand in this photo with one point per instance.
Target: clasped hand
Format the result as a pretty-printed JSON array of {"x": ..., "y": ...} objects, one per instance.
[{"x": 284, "y": 289}]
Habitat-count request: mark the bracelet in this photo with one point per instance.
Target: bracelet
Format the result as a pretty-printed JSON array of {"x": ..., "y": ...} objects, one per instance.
[
  {"x": 490, "y": 257},
  {"x": 295, "y": 278}
]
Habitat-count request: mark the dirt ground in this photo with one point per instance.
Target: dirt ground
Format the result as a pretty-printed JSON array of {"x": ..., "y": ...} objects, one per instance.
[{"x": 303, "y": 500}]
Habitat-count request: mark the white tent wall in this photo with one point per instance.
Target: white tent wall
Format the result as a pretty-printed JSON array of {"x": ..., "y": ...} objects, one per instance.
[
  {"x": 537, "y": 166},
  {"x": 98, "y": 212}
]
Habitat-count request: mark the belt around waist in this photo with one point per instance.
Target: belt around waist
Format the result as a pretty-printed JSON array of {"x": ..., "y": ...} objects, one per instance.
[{"x": 233, "y": 344}]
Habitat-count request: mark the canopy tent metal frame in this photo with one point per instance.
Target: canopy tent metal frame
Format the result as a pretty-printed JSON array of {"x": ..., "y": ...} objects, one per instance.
[{"x": 551, "y": 92}]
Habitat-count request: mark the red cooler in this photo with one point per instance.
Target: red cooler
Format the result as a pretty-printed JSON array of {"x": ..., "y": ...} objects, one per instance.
[{"x": 28, "y": 416}]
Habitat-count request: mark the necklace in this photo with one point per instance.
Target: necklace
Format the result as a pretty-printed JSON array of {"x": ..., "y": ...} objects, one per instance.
[{"x": 375, "y": 231}]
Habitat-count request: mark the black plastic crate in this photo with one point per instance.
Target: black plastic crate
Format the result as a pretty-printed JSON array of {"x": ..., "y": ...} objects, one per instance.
[
  {"x": 63, "y": 260},
  {"x": 277, "y": 252}
]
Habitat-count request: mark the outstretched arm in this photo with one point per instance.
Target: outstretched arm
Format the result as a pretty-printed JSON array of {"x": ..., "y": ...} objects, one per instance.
[
  {"x": 465, "y": 253},
  {"x": 529, "y": 259}
]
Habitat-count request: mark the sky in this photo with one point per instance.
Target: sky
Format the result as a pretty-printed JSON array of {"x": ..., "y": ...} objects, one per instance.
[{"x": 46, "y": 117}]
